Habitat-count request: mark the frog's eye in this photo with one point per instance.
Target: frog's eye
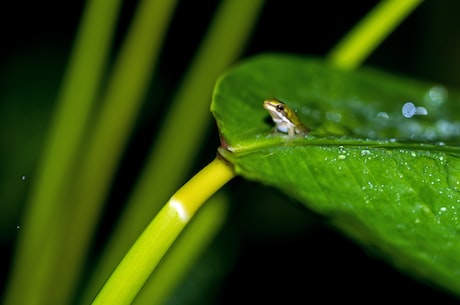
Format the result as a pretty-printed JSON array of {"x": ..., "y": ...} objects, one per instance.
[{"x": 280, "y": 108}]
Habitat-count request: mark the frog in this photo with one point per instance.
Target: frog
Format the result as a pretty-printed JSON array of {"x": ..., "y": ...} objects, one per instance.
[{"x": 285, "y": 119}]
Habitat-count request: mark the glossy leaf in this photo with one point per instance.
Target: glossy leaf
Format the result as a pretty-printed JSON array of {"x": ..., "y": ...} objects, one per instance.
[{"x": 381, "y": 161}]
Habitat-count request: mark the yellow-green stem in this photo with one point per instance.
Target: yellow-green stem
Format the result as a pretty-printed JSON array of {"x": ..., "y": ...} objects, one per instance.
[
  {"x": 185, "y": 251},
  {"x": 33, "y": 280},
  {"x": 180, "y": 137},
  {"x": 362, "y": 40},
  {"x": 135, "y": 268},
  {"x": 106, "y": 140}
]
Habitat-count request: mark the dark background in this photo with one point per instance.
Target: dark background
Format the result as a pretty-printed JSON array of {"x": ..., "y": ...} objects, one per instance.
[{"x": 284, "y": 254}]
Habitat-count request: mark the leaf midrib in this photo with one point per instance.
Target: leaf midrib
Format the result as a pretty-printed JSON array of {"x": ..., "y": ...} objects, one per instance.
[{"x": 254, "y": 147}]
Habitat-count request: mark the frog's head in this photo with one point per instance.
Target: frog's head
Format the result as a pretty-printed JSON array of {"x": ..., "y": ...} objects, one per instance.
[
  {"x": 277, "y": 109},
  {"x": 285, "y": 118}
]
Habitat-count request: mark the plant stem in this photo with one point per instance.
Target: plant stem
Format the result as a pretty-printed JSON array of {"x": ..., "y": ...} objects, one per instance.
[
  {"x": 41, "y": 228},
  {"x": 196, "y": 237},
  {"x": 183, "y": 130},
  {"x": 370, "y": 32},
  {"x": 143, "y": 257},
  {"x": 106, "y": 141}
]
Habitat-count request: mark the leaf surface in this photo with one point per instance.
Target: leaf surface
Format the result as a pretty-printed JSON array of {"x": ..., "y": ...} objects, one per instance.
[{"x": 384, "y": 171}]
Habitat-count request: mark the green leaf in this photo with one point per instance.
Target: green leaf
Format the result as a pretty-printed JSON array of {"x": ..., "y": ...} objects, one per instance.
[{"x": 389, "y": 180}]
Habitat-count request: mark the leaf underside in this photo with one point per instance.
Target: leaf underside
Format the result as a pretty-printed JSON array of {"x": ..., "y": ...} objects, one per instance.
[{"x": 385, "y": 172}]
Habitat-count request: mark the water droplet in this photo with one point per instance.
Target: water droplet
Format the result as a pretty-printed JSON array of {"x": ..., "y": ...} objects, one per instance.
[
  {"x": 383, "y": 115},
  {"x": 409, "y": 110},
  {"x": 23, "y": 177},
  {"x": 365, "y": 152},
  {"x": 436, "y": 96},
  {"x": 448, "y": 129},
  {"x": 342, "y": 153},
  {"x": 18, "y": 227},
  {"x": 333, "y": 116},
  {"x": 421, "y": 110}
]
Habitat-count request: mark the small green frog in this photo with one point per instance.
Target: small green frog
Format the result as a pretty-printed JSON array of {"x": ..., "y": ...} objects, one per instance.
[{"x": 285, "y": 119}]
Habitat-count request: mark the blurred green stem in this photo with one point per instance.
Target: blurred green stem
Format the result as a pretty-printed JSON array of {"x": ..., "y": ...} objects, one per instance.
[
  {"x": 183, "y": 130},
  {"x": 41, "y": 229},
  {"x": 362, "y": 40},
  {"x": 126, "y": 89}
]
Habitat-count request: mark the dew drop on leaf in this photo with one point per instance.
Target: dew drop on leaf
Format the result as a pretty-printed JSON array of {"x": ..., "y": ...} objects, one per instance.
[
  {"x": 408, "y": 110},
  {"x": 436, "y": 96},
  {"x": 383, "y": 115},
  {"x": 365, "y": 152}
]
